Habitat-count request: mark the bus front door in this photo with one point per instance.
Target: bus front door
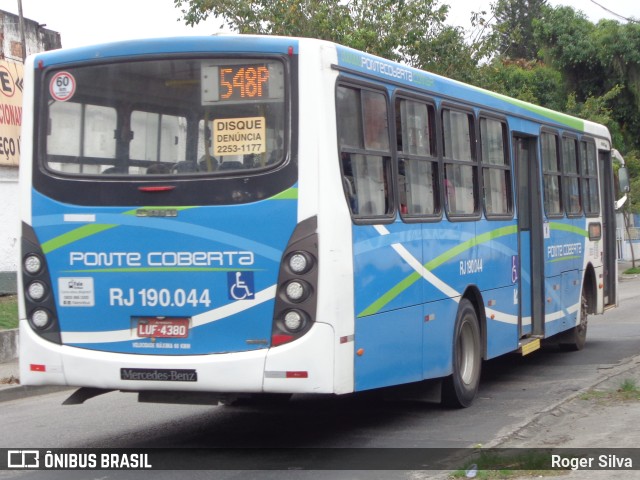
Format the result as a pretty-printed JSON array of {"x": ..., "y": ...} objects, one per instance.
[{"x": 530, "y": 262}]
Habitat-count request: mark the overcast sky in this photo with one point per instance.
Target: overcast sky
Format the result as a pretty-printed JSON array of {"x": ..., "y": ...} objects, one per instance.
[{"x": 83, "y": 22}]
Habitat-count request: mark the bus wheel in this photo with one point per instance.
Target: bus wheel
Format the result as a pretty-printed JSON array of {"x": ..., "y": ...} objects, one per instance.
[
  {"x": 575, "y": 338},
  {"x": 460, "y": 388}
]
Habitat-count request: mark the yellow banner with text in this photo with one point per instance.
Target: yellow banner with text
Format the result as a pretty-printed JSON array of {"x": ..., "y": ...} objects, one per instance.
[{"x": 11, "y": 84}]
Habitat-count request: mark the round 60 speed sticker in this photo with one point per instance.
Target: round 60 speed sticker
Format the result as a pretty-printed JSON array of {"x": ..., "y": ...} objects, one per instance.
[{"x": 62, "y": 86}]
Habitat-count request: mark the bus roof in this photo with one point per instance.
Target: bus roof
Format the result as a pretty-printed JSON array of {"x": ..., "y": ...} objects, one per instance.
[{"x": 348, "y": 59}]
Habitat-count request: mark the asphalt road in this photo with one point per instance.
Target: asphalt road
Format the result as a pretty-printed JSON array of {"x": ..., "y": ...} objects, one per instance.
[{"x": 513, "y": 389}]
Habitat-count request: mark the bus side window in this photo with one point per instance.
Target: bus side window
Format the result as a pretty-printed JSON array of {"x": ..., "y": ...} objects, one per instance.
[
  {"x": 365, "y": 182},
  {"x": 417, "y": 160},
  {"x": 571, "y": 180},
  {"x": 589, "y": 174},
  {"x": 551, "y": 174},
  {"x": 460, "y": 170},
  {"x": 363, "y": 133},
  {"x": 496, "y": 171},
  {"x": 376, "y": 127}
]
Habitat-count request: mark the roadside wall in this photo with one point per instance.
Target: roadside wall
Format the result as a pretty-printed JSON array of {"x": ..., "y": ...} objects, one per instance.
[
  {"x": 8, "y": 345},
  {"x": 9, "y": 234},
  {"x": 626, "y": 250}
]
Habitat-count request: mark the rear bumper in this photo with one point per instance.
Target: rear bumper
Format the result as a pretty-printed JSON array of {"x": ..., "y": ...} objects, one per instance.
[{"x": 304, "y": 366}]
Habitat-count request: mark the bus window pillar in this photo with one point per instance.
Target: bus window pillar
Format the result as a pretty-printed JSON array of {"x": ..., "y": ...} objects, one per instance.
[{"x": 123, "y": 136}]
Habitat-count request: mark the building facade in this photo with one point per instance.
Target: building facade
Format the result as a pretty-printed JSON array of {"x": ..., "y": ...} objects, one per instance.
[{"x": 37, "y": 39}]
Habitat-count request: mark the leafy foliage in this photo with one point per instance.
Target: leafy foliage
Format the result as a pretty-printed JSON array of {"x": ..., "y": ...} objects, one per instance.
[
  {"x": 597, "y": 109},
  {"x": 530, "y": 81},
  {"x": 515, "y": 20},
  {"x": 398, "y": 30}
]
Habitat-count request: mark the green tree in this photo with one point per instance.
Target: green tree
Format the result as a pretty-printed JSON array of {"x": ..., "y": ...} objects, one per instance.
[
  {"x": 565, "y": 37},
  {"x": 400, "y": 30},
  {"x": 593, "y": 60},
  {"x": 449, "y": 55},
  {"x": 515, "y": 27},
  {"x": 598, "y": 109},
  {"x": 530, "y": 81}
]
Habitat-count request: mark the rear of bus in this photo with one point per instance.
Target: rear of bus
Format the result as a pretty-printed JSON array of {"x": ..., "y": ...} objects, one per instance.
[{"x": 161, "y": 244}]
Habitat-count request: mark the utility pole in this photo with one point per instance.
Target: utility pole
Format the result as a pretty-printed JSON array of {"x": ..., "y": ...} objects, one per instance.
[{"x": 22, "y": 37}]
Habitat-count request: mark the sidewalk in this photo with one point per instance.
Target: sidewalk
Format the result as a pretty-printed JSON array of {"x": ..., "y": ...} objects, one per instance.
[
  {"x": 596, "y": 417},
  {"x": 624, "y": 265}
]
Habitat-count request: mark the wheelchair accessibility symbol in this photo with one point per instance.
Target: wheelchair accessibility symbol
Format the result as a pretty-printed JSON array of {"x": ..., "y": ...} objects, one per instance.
[{"x": 240, "y": 285}]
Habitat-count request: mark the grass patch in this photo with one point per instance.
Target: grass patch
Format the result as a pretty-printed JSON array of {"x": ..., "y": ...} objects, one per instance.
[
  {"x": 494, "y": 466},
  {"x": 594, "y": 395},
  {"x": 632, "y": 271},
  {"x": 8, "y": 312},
  {"x": 627, "y": 392}
]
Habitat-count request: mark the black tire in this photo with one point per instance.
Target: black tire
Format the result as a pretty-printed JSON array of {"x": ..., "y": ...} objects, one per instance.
[
  {"x": 575, "y": 339},
  {"x": 460, "y": 388}
]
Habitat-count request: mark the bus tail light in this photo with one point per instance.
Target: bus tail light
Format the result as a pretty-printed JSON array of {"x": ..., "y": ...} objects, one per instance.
[
  {"x": 295, "y": 305},
  {"x": 300, "y": 262},
  {"x": 38, "y": 297},
  {"x": 32, "y": 264},
  {"x": 36, "y": 290},
  {"x": 40, "y": 318},
  {"x": 294, "y": 320},
  {"x": 297, "y": 291}
]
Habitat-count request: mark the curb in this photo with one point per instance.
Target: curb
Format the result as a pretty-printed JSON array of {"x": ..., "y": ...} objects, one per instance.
[
  {"x": 626, "y": 277},
  {"x": 624, "y": 366}
]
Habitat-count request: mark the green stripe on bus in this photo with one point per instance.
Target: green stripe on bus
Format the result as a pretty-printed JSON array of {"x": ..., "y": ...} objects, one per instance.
[
  {"x": 558, "y": 117},
  {"x": 74, "y": 236},
  {"x": 390, "y": 295},
  {"x": 289, "y": 194},
  {"x": 568, "y": 228},
  {"x": 562, "y": 259},
  {"x": 400, "y": 287}
]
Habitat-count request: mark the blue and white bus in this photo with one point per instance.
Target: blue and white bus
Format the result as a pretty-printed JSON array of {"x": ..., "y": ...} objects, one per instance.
[{"x": 242, "y": 215}]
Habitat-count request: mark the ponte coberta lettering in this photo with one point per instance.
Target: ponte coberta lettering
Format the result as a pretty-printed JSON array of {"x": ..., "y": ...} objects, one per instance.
[{"x": 161, "y": 259}]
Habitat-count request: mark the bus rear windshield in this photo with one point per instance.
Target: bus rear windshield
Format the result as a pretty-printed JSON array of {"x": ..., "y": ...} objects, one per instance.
[{"x": 173, "y": 117}]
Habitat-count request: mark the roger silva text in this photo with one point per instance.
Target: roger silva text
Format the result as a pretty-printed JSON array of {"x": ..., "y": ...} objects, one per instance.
[{"x": 595, "y": 462}]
